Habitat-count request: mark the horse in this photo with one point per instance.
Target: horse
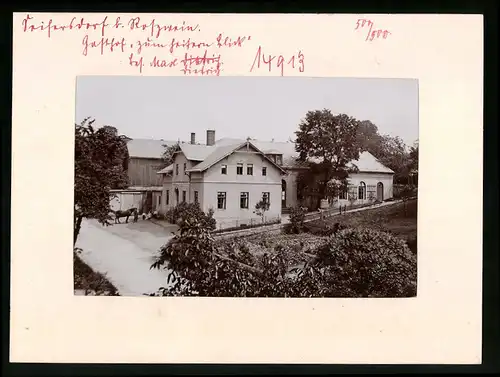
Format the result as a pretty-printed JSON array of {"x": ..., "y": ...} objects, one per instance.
[{"x": 126, "y": 214}]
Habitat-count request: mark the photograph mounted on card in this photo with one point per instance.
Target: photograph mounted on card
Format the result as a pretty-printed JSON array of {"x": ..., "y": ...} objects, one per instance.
[
  {"x": 189, "y": 177},
  {"x": 313, "y": 195}
]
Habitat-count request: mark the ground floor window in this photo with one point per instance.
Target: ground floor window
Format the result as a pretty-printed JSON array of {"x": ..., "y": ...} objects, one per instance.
[
  {"x": 221, "y": 200},
  {"x": 266, "y": 197},
  {"x": 168, "y": 197},
  {"x": 183, "y": 196},
  {"x": 196, "y": 196},
  {"x": 159, "y": 200},
  {"x": 343, "y": 195},
  {"x": 362, "y": 191},
  {"x": 244, "y": 200}
]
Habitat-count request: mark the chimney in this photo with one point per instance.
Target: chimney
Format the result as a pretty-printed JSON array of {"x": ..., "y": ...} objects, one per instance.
[
  {"x": 210, "y": 137},
  {"x": 193, "y": 138}
]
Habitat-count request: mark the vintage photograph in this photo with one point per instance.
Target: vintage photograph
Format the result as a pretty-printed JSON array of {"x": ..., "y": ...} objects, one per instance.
[{"x": 246, "y": 187}]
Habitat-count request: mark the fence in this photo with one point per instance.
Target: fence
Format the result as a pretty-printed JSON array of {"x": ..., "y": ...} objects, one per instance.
[{"x": 239, "y": 224}]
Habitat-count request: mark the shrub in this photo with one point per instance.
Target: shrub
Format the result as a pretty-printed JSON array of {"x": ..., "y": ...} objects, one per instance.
[
  {"x": 354, "y": 263},
  {"x": 369, "y": 263},
  {"x": 297, "y": 218},
  {"x": 184, "y": 211}
]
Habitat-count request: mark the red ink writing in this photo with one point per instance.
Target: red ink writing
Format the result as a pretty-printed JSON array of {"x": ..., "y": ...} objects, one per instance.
[
  {"x": 277, "y": 61},
  {"x": 103, "y": 44},
  {"x": 372, "y": 33},
  {"x": 135, "y": 63},
  {"x": 228, "y": 42},
  {"x": 155, "y": 29},
  {"x": 50, "y": 26},
  {"x": 157, "y": 63},
  {"x": 201, "y": 65}
]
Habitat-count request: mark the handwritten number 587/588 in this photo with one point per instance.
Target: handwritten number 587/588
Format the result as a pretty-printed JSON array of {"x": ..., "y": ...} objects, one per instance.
[{"x": 372, "y": 33}]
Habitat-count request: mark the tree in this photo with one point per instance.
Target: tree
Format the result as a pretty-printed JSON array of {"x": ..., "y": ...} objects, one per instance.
[
  {"x": 394, "y": 155},
  {"x": 261, "y": 208},
  {"x": 368, "y": 137},
  {"x": 329, "y": 142},
  {"x": 168, "y": 153},
  {"x": 407, "y": 192},
  {"x": 99, "y": 167}
]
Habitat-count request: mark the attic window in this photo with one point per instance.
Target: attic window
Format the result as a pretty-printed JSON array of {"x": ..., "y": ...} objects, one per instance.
[
  {"x": 223, "y": 169},
  {"x": 249, "y": 169},
  {"x": 264, "y": 171},
  {"x": 239, "y": 169},
  {"x": 279, "y": 159}
]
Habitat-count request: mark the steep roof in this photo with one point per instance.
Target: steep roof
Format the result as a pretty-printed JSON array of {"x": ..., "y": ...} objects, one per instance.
[
  {"x": 220, "y": 151},
  {"x": 196, "y": 152},
  {"x": 147, "y": 148},
  {"x": 166, "y": 169},
  {"x": 366, "y": 163},
  {"x": 369, "y": 164},
  {"x": 209, "y": 155}
]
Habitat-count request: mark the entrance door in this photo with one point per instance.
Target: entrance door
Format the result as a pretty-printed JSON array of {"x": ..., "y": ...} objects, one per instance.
[
  {"x": 283, "y": 193},
  {"x": 380, "y": 192}
]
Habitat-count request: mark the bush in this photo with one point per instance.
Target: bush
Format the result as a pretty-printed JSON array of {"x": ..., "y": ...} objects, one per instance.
[
  {"x": 353, "y": 263},
  {"x": 184, "y": 211},
  {"x": 297, "y": 218},
  {"x": 369, "y": 263}
]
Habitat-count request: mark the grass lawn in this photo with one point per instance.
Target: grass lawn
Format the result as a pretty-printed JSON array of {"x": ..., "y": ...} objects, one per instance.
[
  {"x": 392, "y": 218},
  {"x": 89, "y": 281}
]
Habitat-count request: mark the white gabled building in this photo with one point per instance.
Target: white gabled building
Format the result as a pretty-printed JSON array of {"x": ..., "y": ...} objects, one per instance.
[{"x": 231, "y": 176}]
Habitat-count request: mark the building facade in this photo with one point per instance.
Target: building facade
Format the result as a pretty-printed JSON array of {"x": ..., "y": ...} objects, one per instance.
[{"x": 230, "y": 176}]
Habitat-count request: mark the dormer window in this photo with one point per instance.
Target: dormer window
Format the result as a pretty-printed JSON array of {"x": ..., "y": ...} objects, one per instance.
[{"x": 279, "y": 159}]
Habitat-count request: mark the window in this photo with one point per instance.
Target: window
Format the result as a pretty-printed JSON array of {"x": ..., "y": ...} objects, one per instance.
[
  {"x": 184, "y": 168},
  {"x": 183, "y": 196},
  {"x": 244, "y": 200},
  {"x": 168, "y": 197},
  {"x": 159, "y": 200},
  {"x": 249, "y": 169},
  {"x": 239, "y": 169},
  {"x": 362, "y": 190},
  {"x": 279, "y": 159},
  {"x": 264, "y": 171},
  {"x": 176, "y": 196},
  {"x": 176, "y": 169},
  {"x": 196, "y": 196},
  {"x": 223, "y": 169},
  {"x": 266, "y": 197},
  {"x": 221, "y": 200},
  {"x": 343, "y": 195}
]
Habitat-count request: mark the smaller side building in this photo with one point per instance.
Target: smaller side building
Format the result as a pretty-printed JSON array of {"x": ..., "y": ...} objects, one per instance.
[{"x": 145, "y": 185}]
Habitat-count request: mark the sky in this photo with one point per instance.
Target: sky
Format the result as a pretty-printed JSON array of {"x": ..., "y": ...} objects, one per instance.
[{"x": 263, "y": 108}]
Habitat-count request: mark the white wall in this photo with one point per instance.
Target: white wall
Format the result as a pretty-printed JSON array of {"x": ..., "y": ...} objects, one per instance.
[
  {"x": 233, "y": 185},
  {"x": 125, "y": 200},
  {"x": 233, "y": 215},
  {"x": 214, "y": 173},
  {"x": 371, "y": 179}
]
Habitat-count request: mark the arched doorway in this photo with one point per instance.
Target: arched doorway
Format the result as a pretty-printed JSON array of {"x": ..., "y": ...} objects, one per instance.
[
  {"x": 380, "y": 191},
  {"x": 283, "y": 193}
]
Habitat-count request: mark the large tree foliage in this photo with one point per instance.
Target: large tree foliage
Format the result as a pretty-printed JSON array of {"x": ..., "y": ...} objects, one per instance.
[
  {"x": 168, "y": 153},
  {"x": 99, "y": 167},
  {"x": 389, "y": 150},
  {"x": 328, "y": 143}
]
